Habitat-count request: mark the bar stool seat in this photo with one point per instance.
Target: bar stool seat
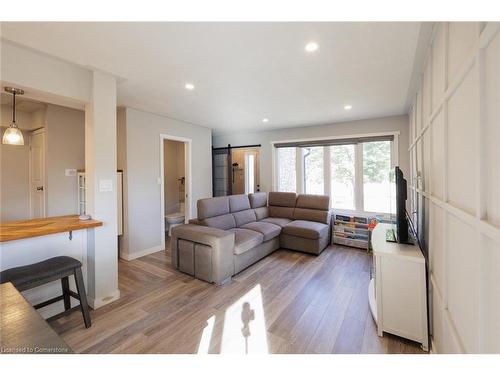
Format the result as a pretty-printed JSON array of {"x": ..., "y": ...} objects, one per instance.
[{"x": 36, "y": 274}]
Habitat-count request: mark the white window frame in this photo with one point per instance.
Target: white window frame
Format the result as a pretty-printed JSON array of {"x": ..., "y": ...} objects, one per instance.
[{"x": 300, "y": 185}]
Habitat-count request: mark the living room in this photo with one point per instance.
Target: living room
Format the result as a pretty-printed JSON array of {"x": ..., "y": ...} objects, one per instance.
[{"x": 250, "y": 187}]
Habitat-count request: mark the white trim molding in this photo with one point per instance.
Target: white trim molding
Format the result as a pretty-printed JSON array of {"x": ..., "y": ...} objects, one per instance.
[{"x": 139, "y": 254}]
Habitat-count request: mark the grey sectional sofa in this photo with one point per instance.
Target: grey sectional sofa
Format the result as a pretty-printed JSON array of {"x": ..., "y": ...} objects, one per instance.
[{"x": 233, "y": 232}]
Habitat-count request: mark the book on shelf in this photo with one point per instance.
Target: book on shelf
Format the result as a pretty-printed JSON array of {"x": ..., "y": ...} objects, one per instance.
[{"x": 343, "y": 218}]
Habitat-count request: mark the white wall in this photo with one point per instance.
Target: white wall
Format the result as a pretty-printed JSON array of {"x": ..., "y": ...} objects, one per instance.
[
  {"x": 454, "y": 137},
  {"x": 47, "y": 76},
  {"x": 387, "y": 124},
  {"x": 65, "y": 150},
  {"x": 101, "y": 189},
  {"x": 142, "y": 195}
]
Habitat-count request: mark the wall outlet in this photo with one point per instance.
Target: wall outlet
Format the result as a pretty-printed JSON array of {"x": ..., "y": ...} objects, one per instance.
[{"x": 70, "y": 172}]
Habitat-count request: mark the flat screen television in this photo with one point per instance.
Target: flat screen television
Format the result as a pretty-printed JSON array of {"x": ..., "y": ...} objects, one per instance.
[{"x": 401, "y": 195}]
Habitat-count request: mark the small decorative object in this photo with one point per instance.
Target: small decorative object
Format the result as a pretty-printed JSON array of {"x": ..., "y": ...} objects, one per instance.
[{"x": 84, "y": 217}]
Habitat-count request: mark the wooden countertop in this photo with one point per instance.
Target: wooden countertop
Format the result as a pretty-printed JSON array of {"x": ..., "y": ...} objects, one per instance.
[
  {"x": 17, "y": 230},
  {"x": 23, "y": 329}
]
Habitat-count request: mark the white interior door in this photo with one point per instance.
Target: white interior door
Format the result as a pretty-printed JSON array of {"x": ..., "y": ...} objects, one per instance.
[{"x": 37, "y": 174}]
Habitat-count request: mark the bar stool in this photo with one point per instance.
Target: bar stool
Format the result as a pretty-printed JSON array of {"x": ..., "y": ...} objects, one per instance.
[{"x": 33, "y": 275}]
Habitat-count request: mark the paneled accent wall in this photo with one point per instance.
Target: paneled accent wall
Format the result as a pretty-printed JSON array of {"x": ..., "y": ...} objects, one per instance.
[{"x": 455, "y": 183}]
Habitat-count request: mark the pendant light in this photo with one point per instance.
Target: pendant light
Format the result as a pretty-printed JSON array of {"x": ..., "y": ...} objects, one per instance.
[{"x": 13, "y": 136}]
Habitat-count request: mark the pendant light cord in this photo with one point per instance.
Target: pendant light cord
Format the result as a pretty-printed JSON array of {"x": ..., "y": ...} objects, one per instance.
[{"x": 14, "y": 110}]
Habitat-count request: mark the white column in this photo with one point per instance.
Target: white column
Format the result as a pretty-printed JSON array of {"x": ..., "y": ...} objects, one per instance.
[{"x": 101, "y": 195}]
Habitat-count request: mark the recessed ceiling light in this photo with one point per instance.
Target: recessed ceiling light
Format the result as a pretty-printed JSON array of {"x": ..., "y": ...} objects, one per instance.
[
  {"x": 189, "y": 86},
  {"x": 311, "y": 46},
  {"x": 348, "y": 107},
  {"x": 265, "y": 120}
]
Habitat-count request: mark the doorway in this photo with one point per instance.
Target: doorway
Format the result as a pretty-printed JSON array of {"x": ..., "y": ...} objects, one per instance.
[
  {"x": 175, "y": 172},
  {"x": 37, "y": 174},
  {"x": 235, "y": 170},
  {"x": 245, "y": 170}
]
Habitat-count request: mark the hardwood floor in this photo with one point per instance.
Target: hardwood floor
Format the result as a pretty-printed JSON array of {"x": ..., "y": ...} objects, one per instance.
[{"x": 288, "y": 302}]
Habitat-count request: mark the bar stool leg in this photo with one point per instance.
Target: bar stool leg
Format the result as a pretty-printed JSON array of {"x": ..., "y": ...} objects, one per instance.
[
  {"x": 80, "y": 287},
  {"x": 65, "y": 291}
]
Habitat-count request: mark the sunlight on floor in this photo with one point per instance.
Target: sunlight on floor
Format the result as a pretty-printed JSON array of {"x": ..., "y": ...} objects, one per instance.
[
  {"x": 206, "y": 336},
  {"x": 245, "y": 325},
  {"x": 244, "y": 329}
]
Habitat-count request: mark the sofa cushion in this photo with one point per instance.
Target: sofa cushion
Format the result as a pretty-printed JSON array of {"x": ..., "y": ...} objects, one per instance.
[
  {"x": 314, "y": 202},
  {"x": 282, "y": 199},
  {"x": 238, "y": 202},
  {"x": 261, "y": 212},
  {"x": 245, "y": 239},
  {"x": 223, "y": 222},
  {"x": 277, "y": 211},
  {"x": 258, "y": 200},
  {"x": 244, "y": 217},
  {"x": 306, "y": 229},
  {"x": 210, "y": 207},
  {"x": 280, "y": 221},
  {"x": 311, "y": 215},
  {"x": 268, "y": 230}
]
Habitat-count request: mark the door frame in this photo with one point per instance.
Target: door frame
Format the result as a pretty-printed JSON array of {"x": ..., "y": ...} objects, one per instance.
[
  {"x": 30, "y": 172},
  {"x": 188, "y": 183}
]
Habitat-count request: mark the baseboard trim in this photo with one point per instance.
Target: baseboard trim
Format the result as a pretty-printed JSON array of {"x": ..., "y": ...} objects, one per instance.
[
  {"x": 433, "y": 348},
  {"x": 151, "y": 250},
  {"x": 97, "y": 302}
]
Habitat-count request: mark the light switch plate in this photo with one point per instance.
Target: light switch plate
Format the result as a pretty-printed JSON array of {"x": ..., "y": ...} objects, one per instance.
[
  {"x": 70, "y": 172},
  {"x": 105, "y": 185}
]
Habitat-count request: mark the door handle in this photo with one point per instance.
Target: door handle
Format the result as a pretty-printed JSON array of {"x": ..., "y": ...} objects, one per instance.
[{"x": 39, "y": 188}]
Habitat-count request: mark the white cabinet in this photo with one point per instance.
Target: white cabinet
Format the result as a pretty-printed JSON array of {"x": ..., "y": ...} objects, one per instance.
[
  {"x": 119, "y": 195},
  {"x": 397, "y": 291}
]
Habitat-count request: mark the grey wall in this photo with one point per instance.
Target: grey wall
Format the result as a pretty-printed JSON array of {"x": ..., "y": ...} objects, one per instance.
[
  {"x": 65, "y": 150},
  {"x": 14, "y": 178},
  {"x": 65, "y": 137},
  {"x": 14, "y": 168},
  {"x": 141, "y": 164},
  {"x": 386, "y": 124}
]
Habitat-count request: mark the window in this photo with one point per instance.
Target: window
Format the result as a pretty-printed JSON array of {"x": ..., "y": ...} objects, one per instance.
[
  {"x": 357, "y": 176},
  {"x": 379, "y": 189},
  {"x": 287, "y": 170},
  {"x": 343, "y": 167},
  {"x": 313, "y": 170}
]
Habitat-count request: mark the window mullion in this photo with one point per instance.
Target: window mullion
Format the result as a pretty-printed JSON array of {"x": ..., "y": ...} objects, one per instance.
[
  {"x": 327, "y": 170},
  {"x": 358, "y": 179},
  {"x": 299, "y": 164}
]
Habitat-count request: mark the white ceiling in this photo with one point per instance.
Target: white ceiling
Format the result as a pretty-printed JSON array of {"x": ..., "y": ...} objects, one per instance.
[{"x": 243, "y": 72}]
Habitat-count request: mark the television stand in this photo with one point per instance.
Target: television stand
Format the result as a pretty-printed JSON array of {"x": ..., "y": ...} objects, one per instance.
[
  {"x": 397, "y": 292},
  {"x": 390, "y": 236}
]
